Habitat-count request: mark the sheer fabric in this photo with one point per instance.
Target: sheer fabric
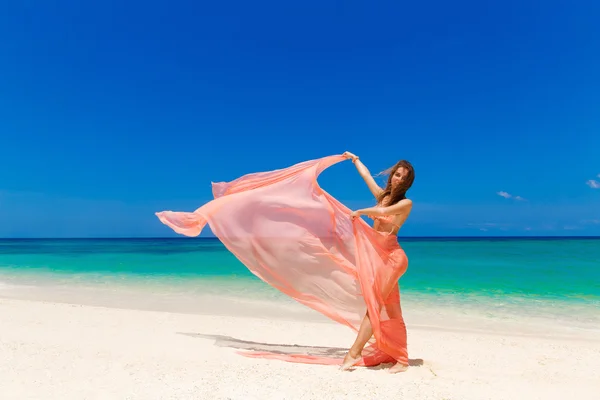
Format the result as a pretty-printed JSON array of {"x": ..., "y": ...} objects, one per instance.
[{"x": 296, "y": 237}]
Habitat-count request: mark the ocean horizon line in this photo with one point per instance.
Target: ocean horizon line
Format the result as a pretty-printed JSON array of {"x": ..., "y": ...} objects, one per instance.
[{"x": 433, "y": 237}]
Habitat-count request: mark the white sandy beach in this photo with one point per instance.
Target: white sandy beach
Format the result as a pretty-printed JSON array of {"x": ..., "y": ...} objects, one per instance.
[{"x": 74, "y": 351}]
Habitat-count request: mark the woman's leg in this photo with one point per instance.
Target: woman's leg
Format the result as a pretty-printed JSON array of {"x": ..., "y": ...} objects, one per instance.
[
  {"x": 364, "y": 334},
  {"x": 394, "y": 313}
]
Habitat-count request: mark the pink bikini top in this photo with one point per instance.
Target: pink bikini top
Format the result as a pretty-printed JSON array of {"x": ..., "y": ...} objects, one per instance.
[
  {"x": 384, "y": 218},
  {"x": 389, "y": 219}
]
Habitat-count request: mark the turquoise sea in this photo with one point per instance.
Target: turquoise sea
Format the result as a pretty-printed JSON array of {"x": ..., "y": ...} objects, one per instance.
[{"x": 520, "y": 275}]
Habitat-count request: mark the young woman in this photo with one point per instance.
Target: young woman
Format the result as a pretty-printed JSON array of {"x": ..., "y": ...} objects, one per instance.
[
  {"x": 390, "y": 213},
  {"x": 299, "y": 239}
]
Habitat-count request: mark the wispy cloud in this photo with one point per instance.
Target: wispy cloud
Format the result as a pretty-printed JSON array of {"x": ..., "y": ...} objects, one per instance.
[
  {"x": 507, "y": 195},
  {"x": 504, "y": 216},
  {"x": 594, "y": 184},
  {"x": 486, "y": 226},
  {"x": 591, "y": 221}
]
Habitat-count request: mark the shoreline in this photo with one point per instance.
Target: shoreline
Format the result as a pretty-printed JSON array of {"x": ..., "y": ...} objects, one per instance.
[{"x": 421, "y": 311}]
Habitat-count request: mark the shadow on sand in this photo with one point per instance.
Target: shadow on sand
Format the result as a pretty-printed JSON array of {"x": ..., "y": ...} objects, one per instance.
[{"x": 286, "y": 349}]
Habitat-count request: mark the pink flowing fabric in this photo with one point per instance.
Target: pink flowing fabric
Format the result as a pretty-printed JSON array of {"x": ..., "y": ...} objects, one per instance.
[{"x": 297, "y": 238}]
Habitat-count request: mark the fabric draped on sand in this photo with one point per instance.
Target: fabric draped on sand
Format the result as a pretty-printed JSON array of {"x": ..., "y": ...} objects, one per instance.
[{"x": 299, "y": 239}]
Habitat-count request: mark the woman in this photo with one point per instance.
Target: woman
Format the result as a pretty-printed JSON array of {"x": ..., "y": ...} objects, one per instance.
[
  {"x": 299, "y": 239},
  {"x": 391, "y": 212}
]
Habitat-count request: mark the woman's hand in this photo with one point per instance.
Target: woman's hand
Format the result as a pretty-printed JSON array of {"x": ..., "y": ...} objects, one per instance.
[
  {"x": 355, "y": 214},
  {"x": 349, "y": 155}
]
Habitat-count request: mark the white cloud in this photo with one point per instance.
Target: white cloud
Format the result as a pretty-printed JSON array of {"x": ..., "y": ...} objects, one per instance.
[
  {"x": 468, "y": 217},
  {"x": 486, "y": 226},
  {"x": 507, "y": 195},
  {"x": 483, "y": 224},
  {"x": 593, "y": 184},
  {"x": 591, "y": 221}
]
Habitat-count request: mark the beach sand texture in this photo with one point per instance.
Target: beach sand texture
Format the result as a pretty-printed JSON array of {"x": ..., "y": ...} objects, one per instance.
[{"x": 73, "y": 351}]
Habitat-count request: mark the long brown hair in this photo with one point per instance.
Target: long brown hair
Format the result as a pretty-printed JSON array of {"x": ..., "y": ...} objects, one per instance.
[{"x": 398, "y": 193}]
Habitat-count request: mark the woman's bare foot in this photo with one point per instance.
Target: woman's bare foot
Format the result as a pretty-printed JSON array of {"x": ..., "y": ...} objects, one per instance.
[
  {"x": 398, "y": 368},
  {"x": 350, "y": 359}
]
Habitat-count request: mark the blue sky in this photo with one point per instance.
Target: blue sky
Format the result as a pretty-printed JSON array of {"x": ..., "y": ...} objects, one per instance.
[{"x": 110, "y": 112}]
